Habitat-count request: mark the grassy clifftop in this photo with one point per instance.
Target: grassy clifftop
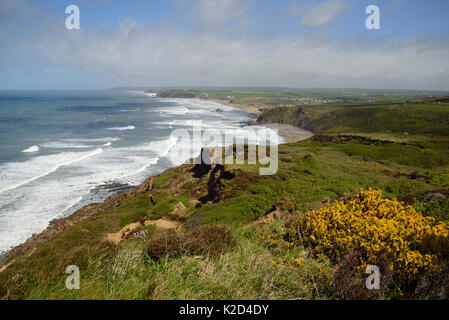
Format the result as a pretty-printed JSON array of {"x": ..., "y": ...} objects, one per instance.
[
  {"x": 430, "y": 116},
  {"x": 214, "y": 232}
]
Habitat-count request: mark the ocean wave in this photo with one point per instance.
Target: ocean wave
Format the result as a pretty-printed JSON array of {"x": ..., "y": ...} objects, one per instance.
[
  {"x": 121, "y": 128},
  {"x": 162, "y": 147},
  {"x": 190, "y": 122},
  {"x": 87, "y": 140},
  {"x": 148, "y": 94},
  {"x": 31, "y": 149},
  {"x": 130, "y": 110},
  {"x": 149, "y": 163},
  {"x": 64, "y": 145},
  {"x": 182, "y": 110},
  {"x": 203, "y": 104},
  {"x": 68, "y": 206},
  {"x": 53, "y": 169}
]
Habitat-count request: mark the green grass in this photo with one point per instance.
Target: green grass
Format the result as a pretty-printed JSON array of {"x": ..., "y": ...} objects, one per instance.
[
  {"x": 310, "y": 171},
  {"x": 169, "y": 204},
  {"x": 439, "y": 209},
  {"x": 409, "y": 155},
  {"x": 246, "y": 271}
]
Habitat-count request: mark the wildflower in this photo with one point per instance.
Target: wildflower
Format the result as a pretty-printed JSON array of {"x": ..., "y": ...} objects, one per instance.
[{"x": 298, "y": 262}]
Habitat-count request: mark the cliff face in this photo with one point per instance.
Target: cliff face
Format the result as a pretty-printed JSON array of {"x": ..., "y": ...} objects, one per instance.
[{"x": 298, "y": 117}]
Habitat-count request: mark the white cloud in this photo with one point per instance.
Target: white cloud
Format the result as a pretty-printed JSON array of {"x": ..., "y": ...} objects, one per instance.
[
  {"x": 212, "y": 14},
  {"x": 322, "y": 13},
  {"x": 169, "y": 57},
  {"x": 148, "y": 55}
]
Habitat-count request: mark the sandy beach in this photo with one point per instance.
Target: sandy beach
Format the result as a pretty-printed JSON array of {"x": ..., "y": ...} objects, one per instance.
[{"x": 290, "y": 133}]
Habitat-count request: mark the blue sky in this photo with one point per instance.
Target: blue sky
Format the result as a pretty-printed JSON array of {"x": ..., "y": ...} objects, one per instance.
[{"x": 294, "y": 43}]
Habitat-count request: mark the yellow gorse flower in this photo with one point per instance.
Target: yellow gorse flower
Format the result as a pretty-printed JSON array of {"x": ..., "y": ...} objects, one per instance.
[{"x": 370, "y": 224}]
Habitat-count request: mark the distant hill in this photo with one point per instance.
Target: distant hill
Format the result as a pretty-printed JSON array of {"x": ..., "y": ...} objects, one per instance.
[
  {"x": 129, "y": 89},
  {"x": 175, "y": 93}
]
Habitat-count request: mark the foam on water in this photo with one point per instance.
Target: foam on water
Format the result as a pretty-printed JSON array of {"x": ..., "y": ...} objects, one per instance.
[
  {"x": 53, "y": 192},
  {"x": 121, "y": 128},
  {"x": 64, "y": 145},
  {"x": 31, "y": 149},
  {"x": 181, "y": 110},
  {"x": 17, "y": 174},
  {"x": 92, "y": 140},
  {"x": 162, "y": 147}
]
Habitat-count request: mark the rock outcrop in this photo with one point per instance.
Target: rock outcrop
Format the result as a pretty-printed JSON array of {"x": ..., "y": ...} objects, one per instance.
[
  {"x": 281, "y": 209},
  {"x": 206, "y": 164}
]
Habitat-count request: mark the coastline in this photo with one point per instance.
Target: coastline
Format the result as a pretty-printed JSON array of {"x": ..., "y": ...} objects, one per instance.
[
  {"x": 244, "y": 107},
  {"x": 58, "y": 225},
  {"x": 290, "y": 134}
]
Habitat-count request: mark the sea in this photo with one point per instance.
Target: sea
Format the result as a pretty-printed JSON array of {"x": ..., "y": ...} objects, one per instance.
[{"x": 61, "y": 150}]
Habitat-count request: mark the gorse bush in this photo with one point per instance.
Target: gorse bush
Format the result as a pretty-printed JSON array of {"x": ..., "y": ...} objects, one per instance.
[{"x": 370, "y": 226}]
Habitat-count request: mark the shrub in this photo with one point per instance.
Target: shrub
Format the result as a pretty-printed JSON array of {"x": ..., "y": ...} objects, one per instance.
[
  {"x": 370, "y": 225},
  {"x": 209, "y": 240},
  {"x": 349, "y": 278},
  {"x": 166, "y": 244},
  {"x": 435, "y": 284},
  {"x": 348, "y": 283},
  {"x": 203, "y": 240}
]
